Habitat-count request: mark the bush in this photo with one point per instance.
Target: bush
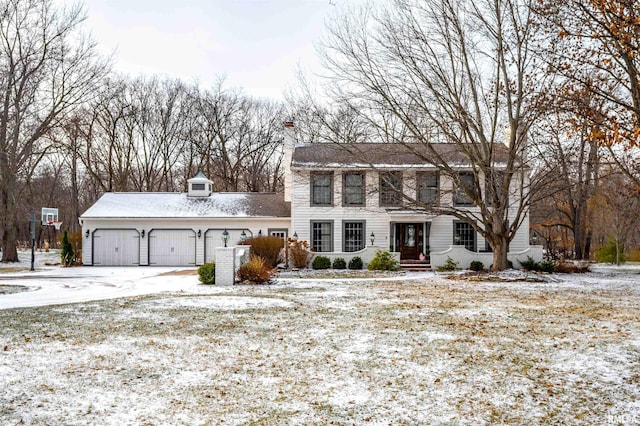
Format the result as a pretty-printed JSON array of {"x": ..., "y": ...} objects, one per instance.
[
  {"x": 339, "y": 263},
  {"x": 299, "y": 253},
  {"x": 449, "y": 265},
  {"x": 267, "y": 247},
  {"x": 356, "y": 263},
  {"x": 256, "y": 270},
  {"x": 321, "y": 262},
  {"x": 530, "y": 264},
  {"x": 383, "y": 261},
  {"x": 67, "y": 256},
  {"x": 207, "y": 273},
  {"x": 607, "y": 253},
  {"x": 476, "y": 266},
  {"x": 547, "y": 266}
]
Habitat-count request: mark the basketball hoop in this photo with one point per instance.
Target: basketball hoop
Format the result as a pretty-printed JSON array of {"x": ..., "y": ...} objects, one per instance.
[{"x": 56, "y": 224}]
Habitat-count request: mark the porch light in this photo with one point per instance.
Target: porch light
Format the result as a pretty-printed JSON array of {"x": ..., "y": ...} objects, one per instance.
[
  {"x": 243, "y": 236},
  {"x": 199, "y": 233},
  {"x": 86, "y": 233},
  {"x": 259, "y": 232},
  {"x": 225, "y": 237},
  {"x": 142, "y": 233},
  {"x": 372, "y": 237},
  {"x": 534, "y": 238},
  {"x": 295, "y": 236},
  {"x": 456, "y": 239}
]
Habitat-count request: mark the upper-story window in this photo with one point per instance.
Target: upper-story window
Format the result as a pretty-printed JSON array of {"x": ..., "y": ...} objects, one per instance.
[
  {"x": 467, "y": 181},
  {"x": 428, "y": 188},
  {"x": 322, "y": 188},
  {"x": 390, "y": 189},
  {"x": 495, "y": 187},
  {"x": 353, "y": 189}
]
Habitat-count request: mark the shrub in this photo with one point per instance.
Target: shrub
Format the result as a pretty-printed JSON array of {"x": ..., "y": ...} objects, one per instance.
[
  {"x": 530, "y": 264},
  {"x": 267, "y": 247},
  {"x": 339, "y": 263},
  {"x": 355, "y": 263},
  {"x": 321, "y": 262},
  {"x": 547, "y": 266},
  {"x": 607, "y": 253},
  {"x": 67, "y": 256},
  {"x": 449, "y": 265},
  {"x": 255, "y": 270},
  {"x": 476, "y": 266},
  {"x": 383, "y": 261},
  {"x": 299, "y": 253},
  {"x": 207, "y": 273}
]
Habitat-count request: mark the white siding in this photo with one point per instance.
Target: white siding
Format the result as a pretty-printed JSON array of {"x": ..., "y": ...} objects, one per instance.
[
  {"x": 116, "y": 247},
  {"x": 172, "y": 247}
]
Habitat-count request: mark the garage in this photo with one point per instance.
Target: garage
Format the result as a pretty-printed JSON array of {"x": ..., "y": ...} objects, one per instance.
[
  {"x": 116, "y": 247},
  {"x": 172, "y": 247}
]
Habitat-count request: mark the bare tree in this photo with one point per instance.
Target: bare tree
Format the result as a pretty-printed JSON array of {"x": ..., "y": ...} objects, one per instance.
[
  {"x": 46, "y": 69},
  {"x": 460, "y": 72}
]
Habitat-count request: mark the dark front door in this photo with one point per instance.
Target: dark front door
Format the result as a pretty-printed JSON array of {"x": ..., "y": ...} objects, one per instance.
[{"x": 409, "y": 240}]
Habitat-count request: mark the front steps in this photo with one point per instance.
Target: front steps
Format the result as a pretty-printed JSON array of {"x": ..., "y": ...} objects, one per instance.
[{"x": 415, "y": 265}]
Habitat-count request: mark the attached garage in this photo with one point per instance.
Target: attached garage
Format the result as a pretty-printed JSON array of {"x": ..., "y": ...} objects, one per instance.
[
  {"x": 172, "y": 247},
  {"x": 116, "y": 247}
]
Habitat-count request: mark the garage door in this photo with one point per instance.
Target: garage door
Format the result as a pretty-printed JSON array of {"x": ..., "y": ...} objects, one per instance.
[
  {"x": 213, "y": 239},
  {"x": 116, "y": 247},
  {"x": 172, "y": 247}
]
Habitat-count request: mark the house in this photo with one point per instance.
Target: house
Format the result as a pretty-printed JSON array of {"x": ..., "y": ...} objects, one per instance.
[
  {"x": 177, "y": 229},
  {"x": 345, "y": 200},
  {"x": 348, "y": 199}
]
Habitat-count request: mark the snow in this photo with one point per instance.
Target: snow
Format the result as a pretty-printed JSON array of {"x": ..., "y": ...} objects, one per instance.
[
  {"x": 167, "y": 205},
  {"x": 110, "y": 346}
]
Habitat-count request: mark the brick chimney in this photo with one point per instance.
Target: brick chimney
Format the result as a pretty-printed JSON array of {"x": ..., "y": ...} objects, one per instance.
[{"x": 289, "y": 144}]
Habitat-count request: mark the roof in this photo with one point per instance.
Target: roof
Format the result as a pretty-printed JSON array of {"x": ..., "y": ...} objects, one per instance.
[
  {"x": 199, "y": 177},
  {"x": 382, "y": 155},
  {"x": 179, "y": 205}
]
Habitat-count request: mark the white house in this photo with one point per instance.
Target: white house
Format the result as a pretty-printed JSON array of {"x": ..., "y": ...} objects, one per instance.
[
  {"x": 177, "y": 229},
  {"x": 346, "y": 201}
]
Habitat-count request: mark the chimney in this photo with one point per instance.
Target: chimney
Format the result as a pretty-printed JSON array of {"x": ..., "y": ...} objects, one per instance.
[{"x": 289, "y": 142}]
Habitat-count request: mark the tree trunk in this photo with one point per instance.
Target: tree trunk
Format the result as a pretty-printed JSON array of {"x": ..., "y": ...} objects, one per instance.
[
  {"x": 9, "y": 237},
  {"x": 500, "y": 249}
]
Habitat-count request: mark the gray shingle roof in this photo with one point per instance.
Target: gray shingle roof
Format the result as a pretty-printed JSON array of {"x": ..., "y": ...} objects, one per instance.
[{"x": 382, "y": 155}]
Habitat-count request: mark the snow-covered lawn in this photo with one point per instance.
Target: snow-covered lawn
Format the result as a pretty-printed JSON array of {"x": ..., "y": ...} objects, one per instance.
[{"x": 419, "y": 349}]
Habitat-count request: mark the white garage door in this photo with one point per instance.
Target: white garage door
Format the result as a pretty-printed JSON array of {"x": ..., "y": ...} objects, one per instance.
[
  {"x": 172, "y": 247},
  {"x": 213, "y": 239},
  {"x": 116, "y": 247}
]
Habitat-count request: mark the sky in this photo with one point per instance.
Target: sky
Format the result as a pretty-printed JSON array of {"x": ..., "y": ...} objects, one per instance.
[{"x": 257, "y": 45}]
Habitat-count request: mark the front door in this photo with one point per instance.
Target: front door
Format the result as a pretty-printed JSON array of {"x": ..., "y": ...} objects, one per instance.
[{"x": 409, "y": 240}]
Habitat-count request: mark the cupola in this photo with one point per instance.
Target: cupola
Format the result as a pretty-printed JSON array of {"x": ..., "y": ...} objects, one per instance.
[{"x": 199, "y": 186}]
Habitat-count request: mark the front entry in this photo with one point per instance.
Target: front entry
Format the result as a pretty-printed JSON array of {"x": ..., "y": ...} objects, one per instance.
[{"x": 410, "y": 240}]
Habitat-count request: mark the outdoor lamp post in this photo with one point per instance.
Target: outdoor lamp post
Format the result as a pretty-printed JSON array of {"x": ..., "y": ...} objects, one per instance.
[
  {"x": 372, "y": 237},
  {"x": 225, "y": 237},
  {"x": 295, "y": 236},
  {"x": 243, "y": 236},
  {"x": 534, "y": 238},
  {"x": 456, "y": 239}
]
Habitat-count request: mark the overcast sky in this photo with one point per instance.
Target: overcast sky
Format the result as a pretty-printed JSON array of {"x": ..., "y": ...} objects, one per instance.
[{"x": 256, "y": 44}]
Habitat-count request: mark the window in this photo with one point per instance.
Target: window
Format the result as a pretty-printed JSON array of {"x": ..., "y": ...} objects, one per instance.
[
  {"x": 391, "y": 189},
  {"x": 467, "y": 180},
  {"x": 353, "y": 236},
  {"x": 322, "y": 189},
  {"x": 281, "y": 233},
  {"x": 428, "y": 188},
  {"x": 353, "y": 189},
  {"x": 322, "y": 236},
  {"x": 197, "y": 186},
  {"x": 464, "y": 235}
]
